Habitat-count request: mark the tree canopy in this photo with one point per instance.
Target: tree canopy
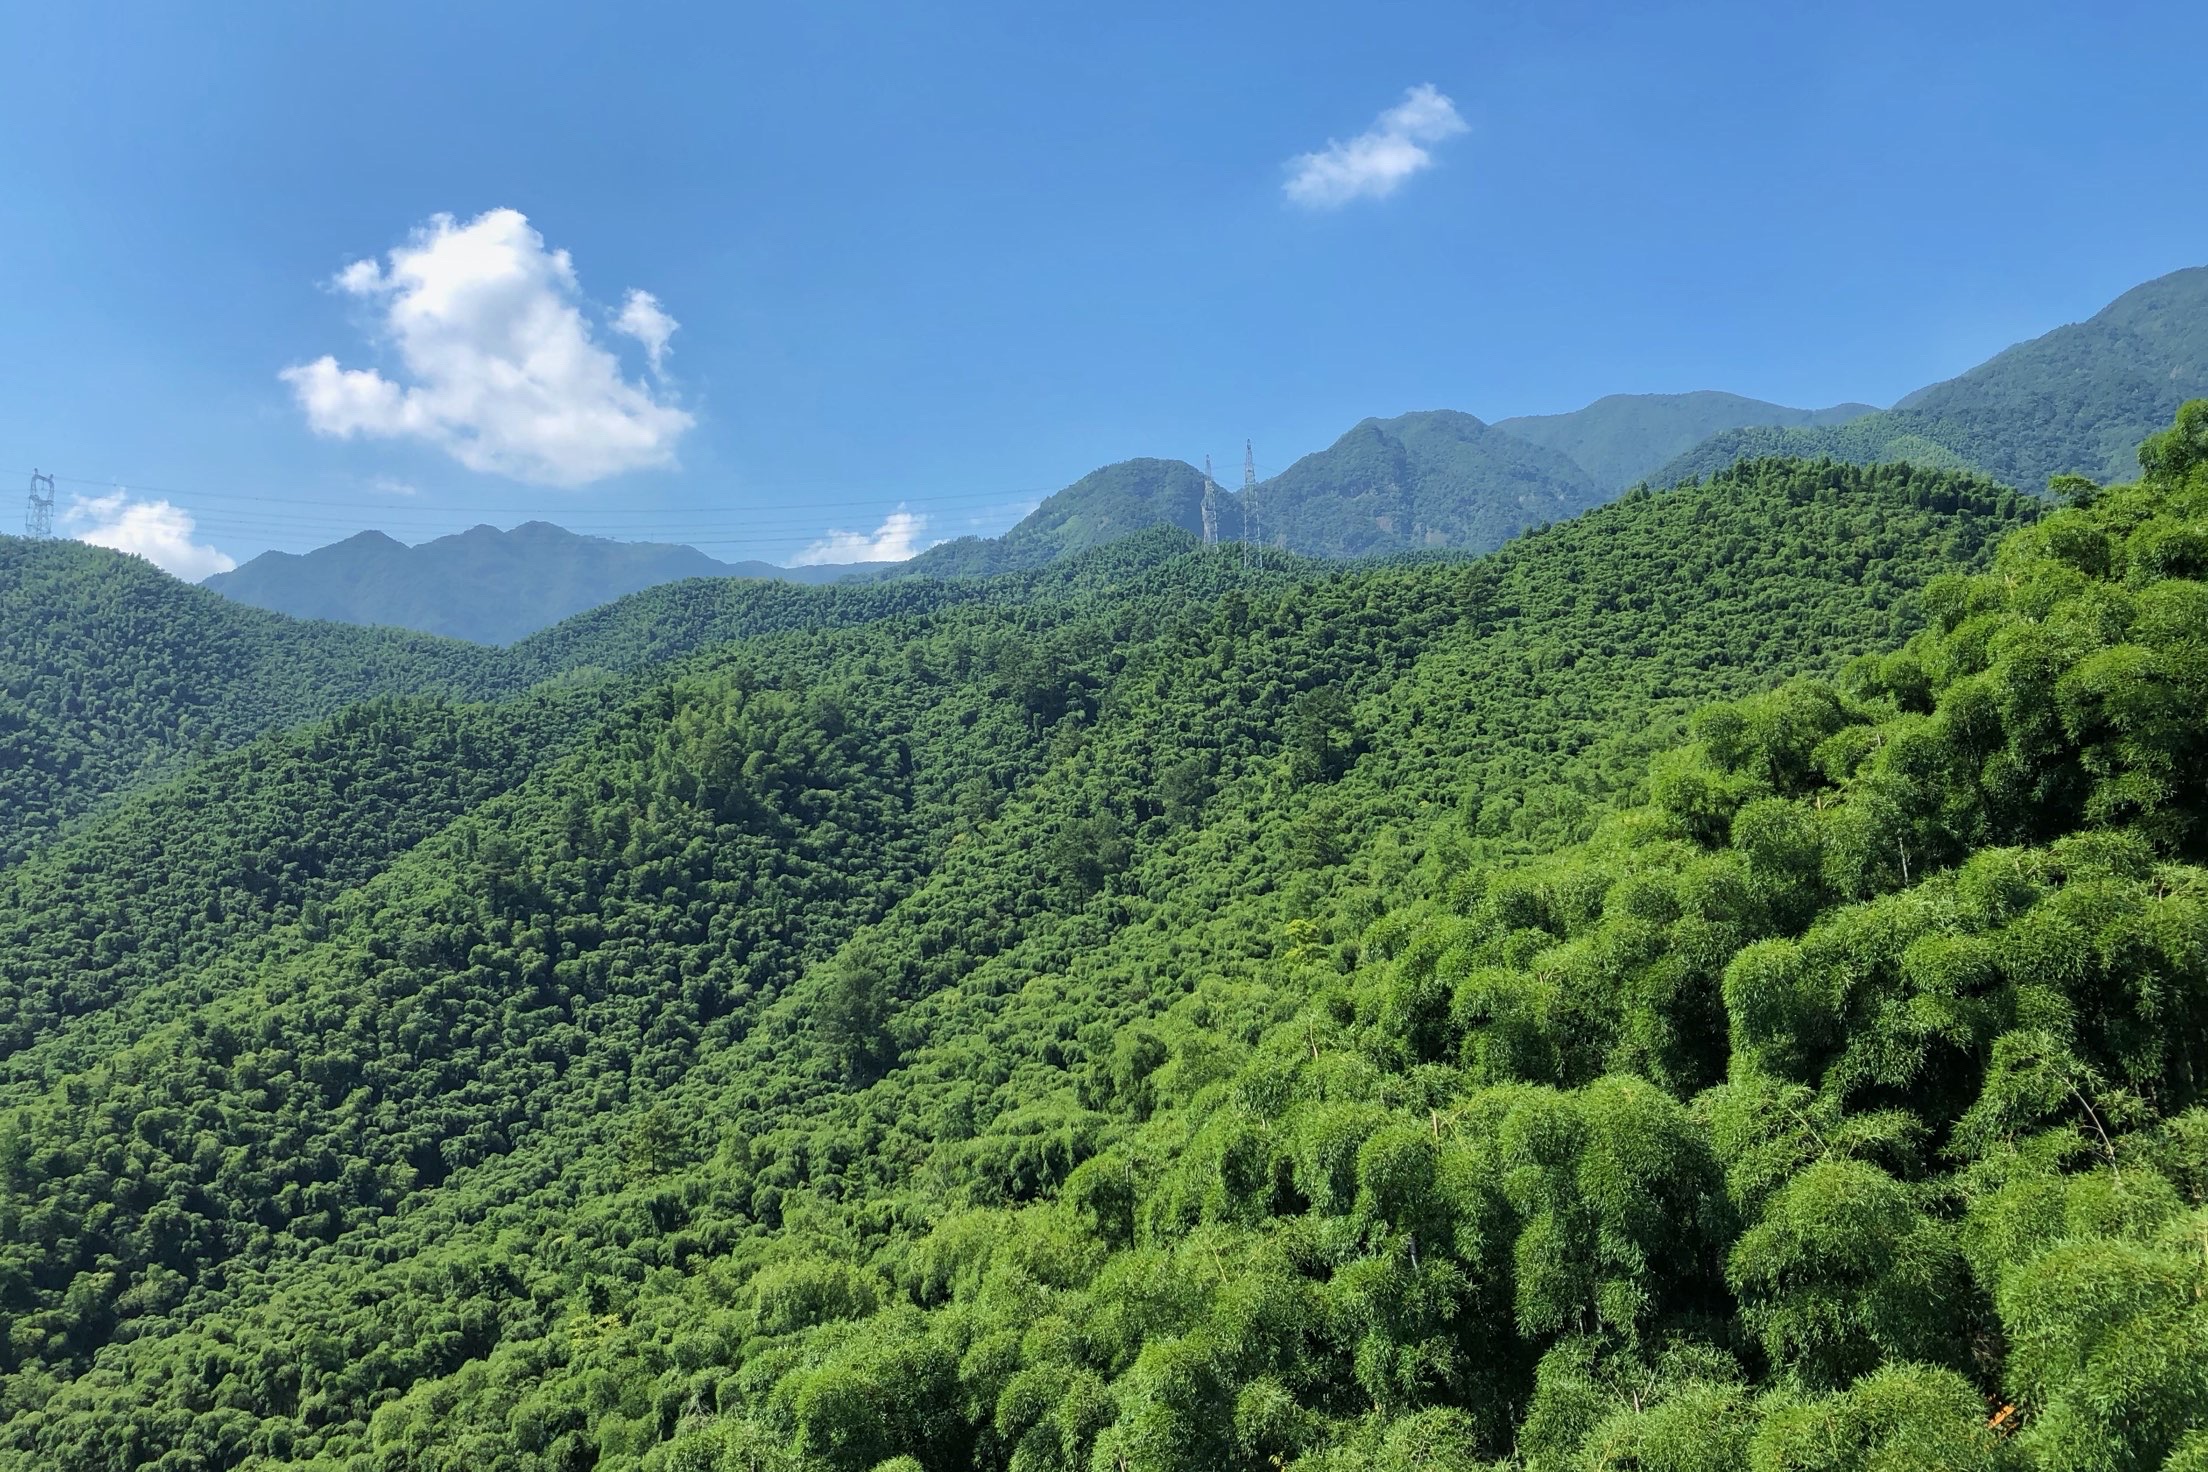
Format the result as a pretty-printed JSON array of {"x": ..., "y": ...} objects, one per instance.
[{"x": 1721, "y": 982}]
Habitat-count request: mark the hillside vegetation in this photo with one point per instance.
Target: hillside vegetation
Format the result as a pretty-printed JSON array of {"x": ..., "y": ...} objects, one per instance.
[
  {"x": 1178, "y": 1016},
  {"x": 120, "y": 676},
  {"x": 114, "y": 674}
]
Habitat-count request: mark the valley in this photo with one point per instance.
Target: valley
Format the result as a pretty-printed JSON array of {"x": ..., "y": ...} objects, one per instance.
[{"x": 1096, "y": 1013}]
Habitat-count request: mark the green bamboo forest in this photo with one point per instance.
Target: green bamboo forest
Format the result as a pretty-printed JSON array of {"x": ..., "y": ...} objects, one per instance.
[{"x": 1719, "y": 982}]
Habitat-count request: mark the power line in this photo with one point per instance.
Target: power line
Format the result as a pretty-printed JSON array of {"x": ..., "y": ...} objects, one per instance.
[
  {"x": 399, "y": 506},
  {"x": 248, "y": 514},
  {"x": 250, "y": 521}
]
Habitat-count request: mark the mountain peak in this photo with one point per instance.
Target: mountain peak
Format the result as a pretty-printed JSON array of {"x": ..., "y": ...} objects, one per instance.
[
  {"x": 1623, "y": 438},
  {"x": 2077, "y": 400},
  {"x": 484, "y": 585},
  {"x": 1444, "y": 420}
]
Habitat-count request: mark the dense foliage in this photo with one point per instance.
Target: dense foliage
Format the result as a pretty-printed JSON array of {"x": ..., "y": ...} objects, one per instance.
[
  {"x": 991, "y": 1029},
  {"x": 113, "y": 673},
  {"x": 208, "y": 866},
  {"x": 116, "y": 675}
]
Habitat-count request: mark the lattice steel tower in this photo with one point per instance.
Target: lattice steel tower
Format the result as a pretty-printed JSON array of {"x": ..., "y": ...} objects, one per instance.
[
  {"x": 1249, "y": 495},
  {"x": 38, "y": 519},
  {"x": 1211, "y": 506}
]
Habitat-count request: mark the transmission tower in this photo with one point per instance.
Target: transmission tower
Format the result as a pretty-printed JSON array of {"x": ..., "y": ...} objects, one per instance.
[
  {"x": 1243, "y": 544},
  {"x": 1249, "y": 494},
  {"x": 1211, "y": 506},
  {"x": 38, "y": 520}
]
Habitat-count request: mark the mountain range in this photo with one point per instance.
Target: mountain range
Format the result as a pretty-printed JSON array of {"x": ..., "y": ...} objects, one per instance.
[
  {"x": 1718, "y": 982},
  {"x": 2077, "y": 400},
  {"x": 1626, "y": 438},
  {"x": 484, "y": 585}
]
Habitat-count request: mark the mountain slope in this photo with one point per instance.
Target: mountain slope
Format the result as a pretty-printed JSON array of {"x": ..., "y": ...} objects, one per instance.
[
  {"x": 596, "y": 1130},
  {"x": 209, "y": 868},
  {"x": 1103, "y": 506},
  {"x": 1425, "y": 480},
  {"x": 113, "y": 673},
  {"x": 1431, "y": 479},
  {"x": 2076, "y": 401},
  {"x": 482, "y": 585},
  {"x": 121, "y": 676},
  {"x": 1622, "y": 439},
  {"x": 680, "y": 619}
]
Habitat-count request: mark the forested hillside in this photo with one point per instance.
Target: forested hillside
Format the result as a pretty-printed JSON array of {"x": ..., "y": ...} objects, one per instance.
[
  {"x": 1434, "y": 479},
  {"x": 2075, "y": 402},
  {"x": 1103, "y": 506},
  {"x": 114, "y": 673},
  {"x": 119, "y": 675},
  {"x": 1014, "y": 1031}
]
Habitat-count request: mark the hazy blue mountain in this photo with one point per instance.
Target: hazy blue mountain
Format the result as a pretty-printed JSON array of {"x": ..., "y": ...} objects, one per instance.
[
  {"x": 1624, "y": 438},
  {"x": 483, "y": 584},
  {"x": 1431, "y": 479},
  {"x": 2077, "y": 400}
]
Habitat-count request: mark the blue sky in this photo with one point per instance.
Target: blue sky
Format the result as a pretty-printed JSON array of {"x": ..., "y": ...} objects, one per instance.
[{"x": 947, "y": 259}]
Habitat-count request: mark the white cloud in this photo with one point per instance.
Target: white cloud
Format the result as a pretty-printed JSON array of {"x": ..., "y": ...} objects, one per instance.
[
  {"x": 644, "y": 319},
  {"x": 500, "y": 368},
  {"x": 385, "y": 485},
  {"x": 155, "y": 530},
  {"x": 897, "y": 538},
  {"x": 1375, "y": 163}
]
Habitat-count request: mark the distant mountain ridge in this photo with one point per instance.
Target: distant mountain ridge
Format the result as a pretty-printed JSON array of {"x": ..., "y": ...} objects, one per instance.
[
  {"x": 1105, "y": 505},
  {"x": 483, "y": 585},
  {"x": 1622, "y": 439},
  {"x": 1435, "y": 478},
  {"x": 2074, "y": 401},
  {"x": 2078, "y": 399}
]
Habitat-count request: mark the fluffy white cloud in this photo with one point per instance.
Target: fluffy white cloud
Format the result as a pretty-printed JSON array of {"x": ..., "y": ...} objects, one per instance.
[
  {"x": 500, "y": 368},
  {"x": 644, "y": 319},
  {"x": 155, "y": 530},
  {"x": 1375, "y": 163},
  {"x": 897, "y": 538}
]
